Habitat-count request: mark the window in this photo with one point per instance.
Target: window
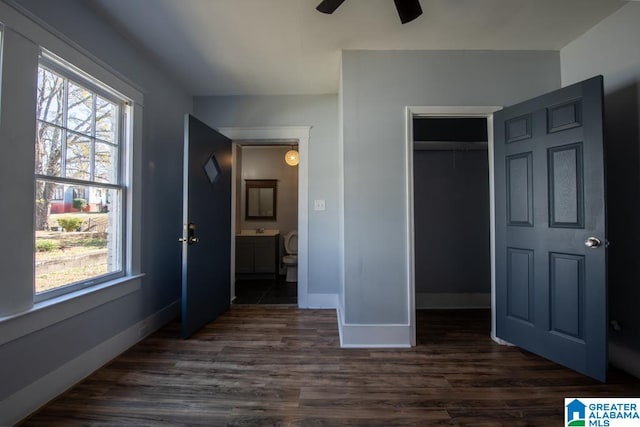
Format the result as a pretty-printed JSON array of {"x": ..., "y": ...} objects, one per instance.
[{"x": 79, "y": 184}]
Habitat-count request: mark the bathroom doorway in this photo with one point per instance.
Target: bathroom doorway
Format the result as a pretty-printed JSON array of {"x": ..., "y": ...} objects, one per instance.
[
  {"x": 283, "y": 137},
  {"x": 266, "y": 222},
  {"x": 450, "y": 208}
]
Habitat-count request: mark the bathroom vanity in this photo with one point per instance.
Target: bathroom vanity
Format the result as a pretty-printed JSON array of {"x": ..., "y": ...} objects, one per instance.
[{"x": 257, "y": 253}]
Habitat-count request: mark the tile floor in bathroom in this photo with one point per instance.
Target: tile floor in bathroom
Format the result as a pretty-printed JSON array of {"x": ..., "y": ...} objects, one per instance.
[{"x": 266, "y": 291}]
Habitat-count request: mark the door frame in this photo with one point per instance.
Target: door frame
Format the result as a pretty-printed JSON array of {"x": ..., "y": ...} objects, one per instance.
[
  {"x": 277, "y": 135},
  {"x": 412, "y": 112}
]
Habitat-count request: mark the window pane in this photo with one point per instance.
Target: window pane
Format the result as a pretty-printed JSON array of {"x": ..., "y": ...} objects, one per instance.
[
  {"x": 78, "y": 157},
  {"x": 48, "y": 150},
  {"x": 106, "y": 163},
  {"x": 80, "y": 109},
  {"x": 106, "y": 120},
  {"x": 50, "y": 96},
  {"x": 78, "y": 241}
]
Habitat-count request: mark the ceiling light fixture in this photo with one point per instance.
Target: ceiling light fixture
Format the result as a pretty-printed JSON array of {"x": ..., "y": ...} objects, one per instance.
[{"x": 292, "y": 157}]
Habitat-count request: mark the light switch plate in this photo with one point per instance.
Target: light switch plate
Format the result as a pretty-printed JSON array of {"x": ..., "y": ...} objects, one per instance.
[{"x": 318, "y": 205}]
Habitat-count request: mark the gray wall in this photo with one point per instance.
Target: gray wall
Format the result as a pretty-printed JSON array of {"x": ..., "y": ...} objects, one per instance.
[
  {"x": 612, "y": 48},
  {"x": 268, "y": 163},
  {"x": 30, "y": 357},
  {"x": 451, "y": 217},
  {"x": 320, "y": 112},
  {"x": 377, "y": 85}
]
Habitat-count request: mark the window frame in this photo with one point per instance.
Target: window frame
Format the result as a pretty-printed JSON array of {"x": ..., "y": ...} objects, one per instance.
[{"x": 124, "y": 137}]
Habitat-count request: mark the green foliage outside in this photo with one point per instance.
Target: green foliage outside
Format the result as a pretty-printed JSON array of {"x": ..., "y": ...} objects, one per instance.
[
  {"x": 80, "y": 204},
  {"x": 46, "y": 245},
  {"x": 70, "y": 224}
]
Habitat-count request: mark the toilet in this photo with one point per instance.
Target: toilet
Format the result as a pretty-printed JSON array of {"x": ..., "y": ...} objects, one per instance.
[{"x": 290, "y": 260}]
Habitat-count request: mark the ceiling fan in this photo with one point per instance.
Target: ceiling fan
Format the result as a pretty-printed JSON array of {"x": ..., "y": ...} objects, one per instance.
[{"x": 408, "y": 10}]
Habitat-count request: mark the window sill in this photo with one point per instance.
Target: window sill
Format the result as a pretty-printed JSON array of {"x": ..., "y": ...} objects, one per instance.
[{"x": 46, "y": 313}]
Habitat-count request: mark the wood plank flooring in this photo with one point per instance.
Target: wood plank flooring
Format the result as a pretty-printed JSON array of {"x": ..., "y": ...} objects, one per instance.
[{"x": 280, "y": 366}]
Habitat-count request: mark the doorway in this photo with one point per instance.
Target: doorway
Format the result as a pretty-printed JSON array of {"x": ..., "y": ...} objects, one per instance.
[
  {"x": 412, "y": 113},
  {"x": 451, "y": 203},
  {"x": 281, "y": 135},
  {"x": 266, "y": 222}
]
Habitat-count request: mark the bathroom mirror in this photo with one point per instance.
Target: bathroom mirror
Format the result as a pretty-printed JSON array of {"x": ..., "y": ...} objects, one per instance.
[{"x": 261, "y": 196}]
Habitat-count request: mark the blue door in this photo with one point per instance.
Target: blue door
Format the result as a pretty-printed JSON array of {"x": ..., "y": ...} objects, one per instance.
[
  {"x": 206, "y": 238},
  {"x": 551, "y": 296}
]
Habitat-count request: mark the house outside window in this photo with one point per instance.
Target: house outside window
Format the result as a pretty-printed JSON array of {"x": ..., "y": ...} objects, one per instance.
[{"x": 79, "y": 184}]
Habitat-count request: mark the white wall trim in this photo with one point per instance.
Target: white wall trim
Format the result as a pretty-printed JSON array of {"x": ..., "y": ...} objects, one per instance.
[
  {"x": 411, "y": 234},
  {"x": 341, "y": 200},
  {"x": 322, "y": 300},
  {"x": 425, "y": 300},
  {"x": 48, "y": 312},
  {"x": 373, "y": 336},
  {"x": 500, "y": 340},
  {"x": 21, "y": 404},
  {"x": 234, "y": 212},
  {"x": 448, "y": 111},
  {"x": 273, "y": 135}
]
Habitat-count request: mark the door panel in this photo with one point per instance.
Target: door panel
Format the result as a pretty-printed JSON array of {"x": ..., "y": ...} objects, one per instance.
[
  {"x": 520, "y": 284},
  {"x": 566, "y": 186},
  {"x": 206, "y": 261},
  {"x": 520, "y": 189},
  {"x": 549, "y": 182}
]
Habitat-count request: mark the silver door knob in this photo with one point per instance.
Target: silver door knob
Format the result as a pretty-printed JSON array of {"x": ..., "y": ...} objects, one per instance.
[{"x": 592, "y": 242}]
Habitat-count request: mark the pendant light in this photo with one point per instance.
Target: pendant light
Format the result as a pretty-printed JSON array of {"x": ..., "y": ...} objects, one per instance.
[{"x": 291, "y": 157}]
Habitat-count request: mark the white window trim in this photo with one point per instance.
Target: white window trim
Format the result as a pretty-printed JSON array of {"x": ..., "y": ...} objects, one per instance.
[
  {"x": 51, "y": 311},
  {"x": 70, "y": 73}
]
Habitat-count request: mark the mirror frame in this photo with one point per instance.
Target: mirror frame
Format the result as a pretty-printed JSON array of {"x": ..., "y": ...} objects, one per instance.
[{"x": 261, "y": 183}]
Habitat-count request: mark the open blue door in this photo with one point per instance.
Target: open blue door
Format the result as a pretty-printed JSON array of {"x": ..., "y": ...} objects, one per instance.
[
  {"x": 206, "y": 236},
  {"x": 551, "y": 296}
]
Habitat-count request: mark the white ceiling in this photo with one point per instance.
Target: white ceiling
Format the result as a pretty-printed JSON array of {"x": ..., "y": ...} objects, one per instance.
[{"x": 265, "y": 47}]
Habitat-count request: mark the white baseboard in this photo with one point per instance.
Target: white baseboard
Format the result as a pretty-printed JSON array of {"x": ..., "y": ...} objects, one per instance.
[
  {"x": 21, "y": 404},
  {"x": 373, "y": 336},
  {"x": 452, "y": 301},
  {"x": 624, "y": 358},
  {"x": 500, "y": 340},
  {"x": 322, "y": 300}
]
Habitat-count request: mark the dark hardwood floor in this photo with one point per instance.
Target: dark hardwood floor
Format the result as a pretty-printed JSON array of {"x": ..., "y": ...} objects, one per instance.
[
  {"x": 269, "y": 291},
  {"x": 281, "y": 366}
]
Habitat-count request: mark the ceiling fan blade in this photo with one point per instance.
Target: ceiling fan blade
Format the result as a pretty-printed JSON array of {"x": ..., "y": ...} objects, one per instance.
[
  {"x": 329, "y": 6},
  {"x": 408, "y": 10}
]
